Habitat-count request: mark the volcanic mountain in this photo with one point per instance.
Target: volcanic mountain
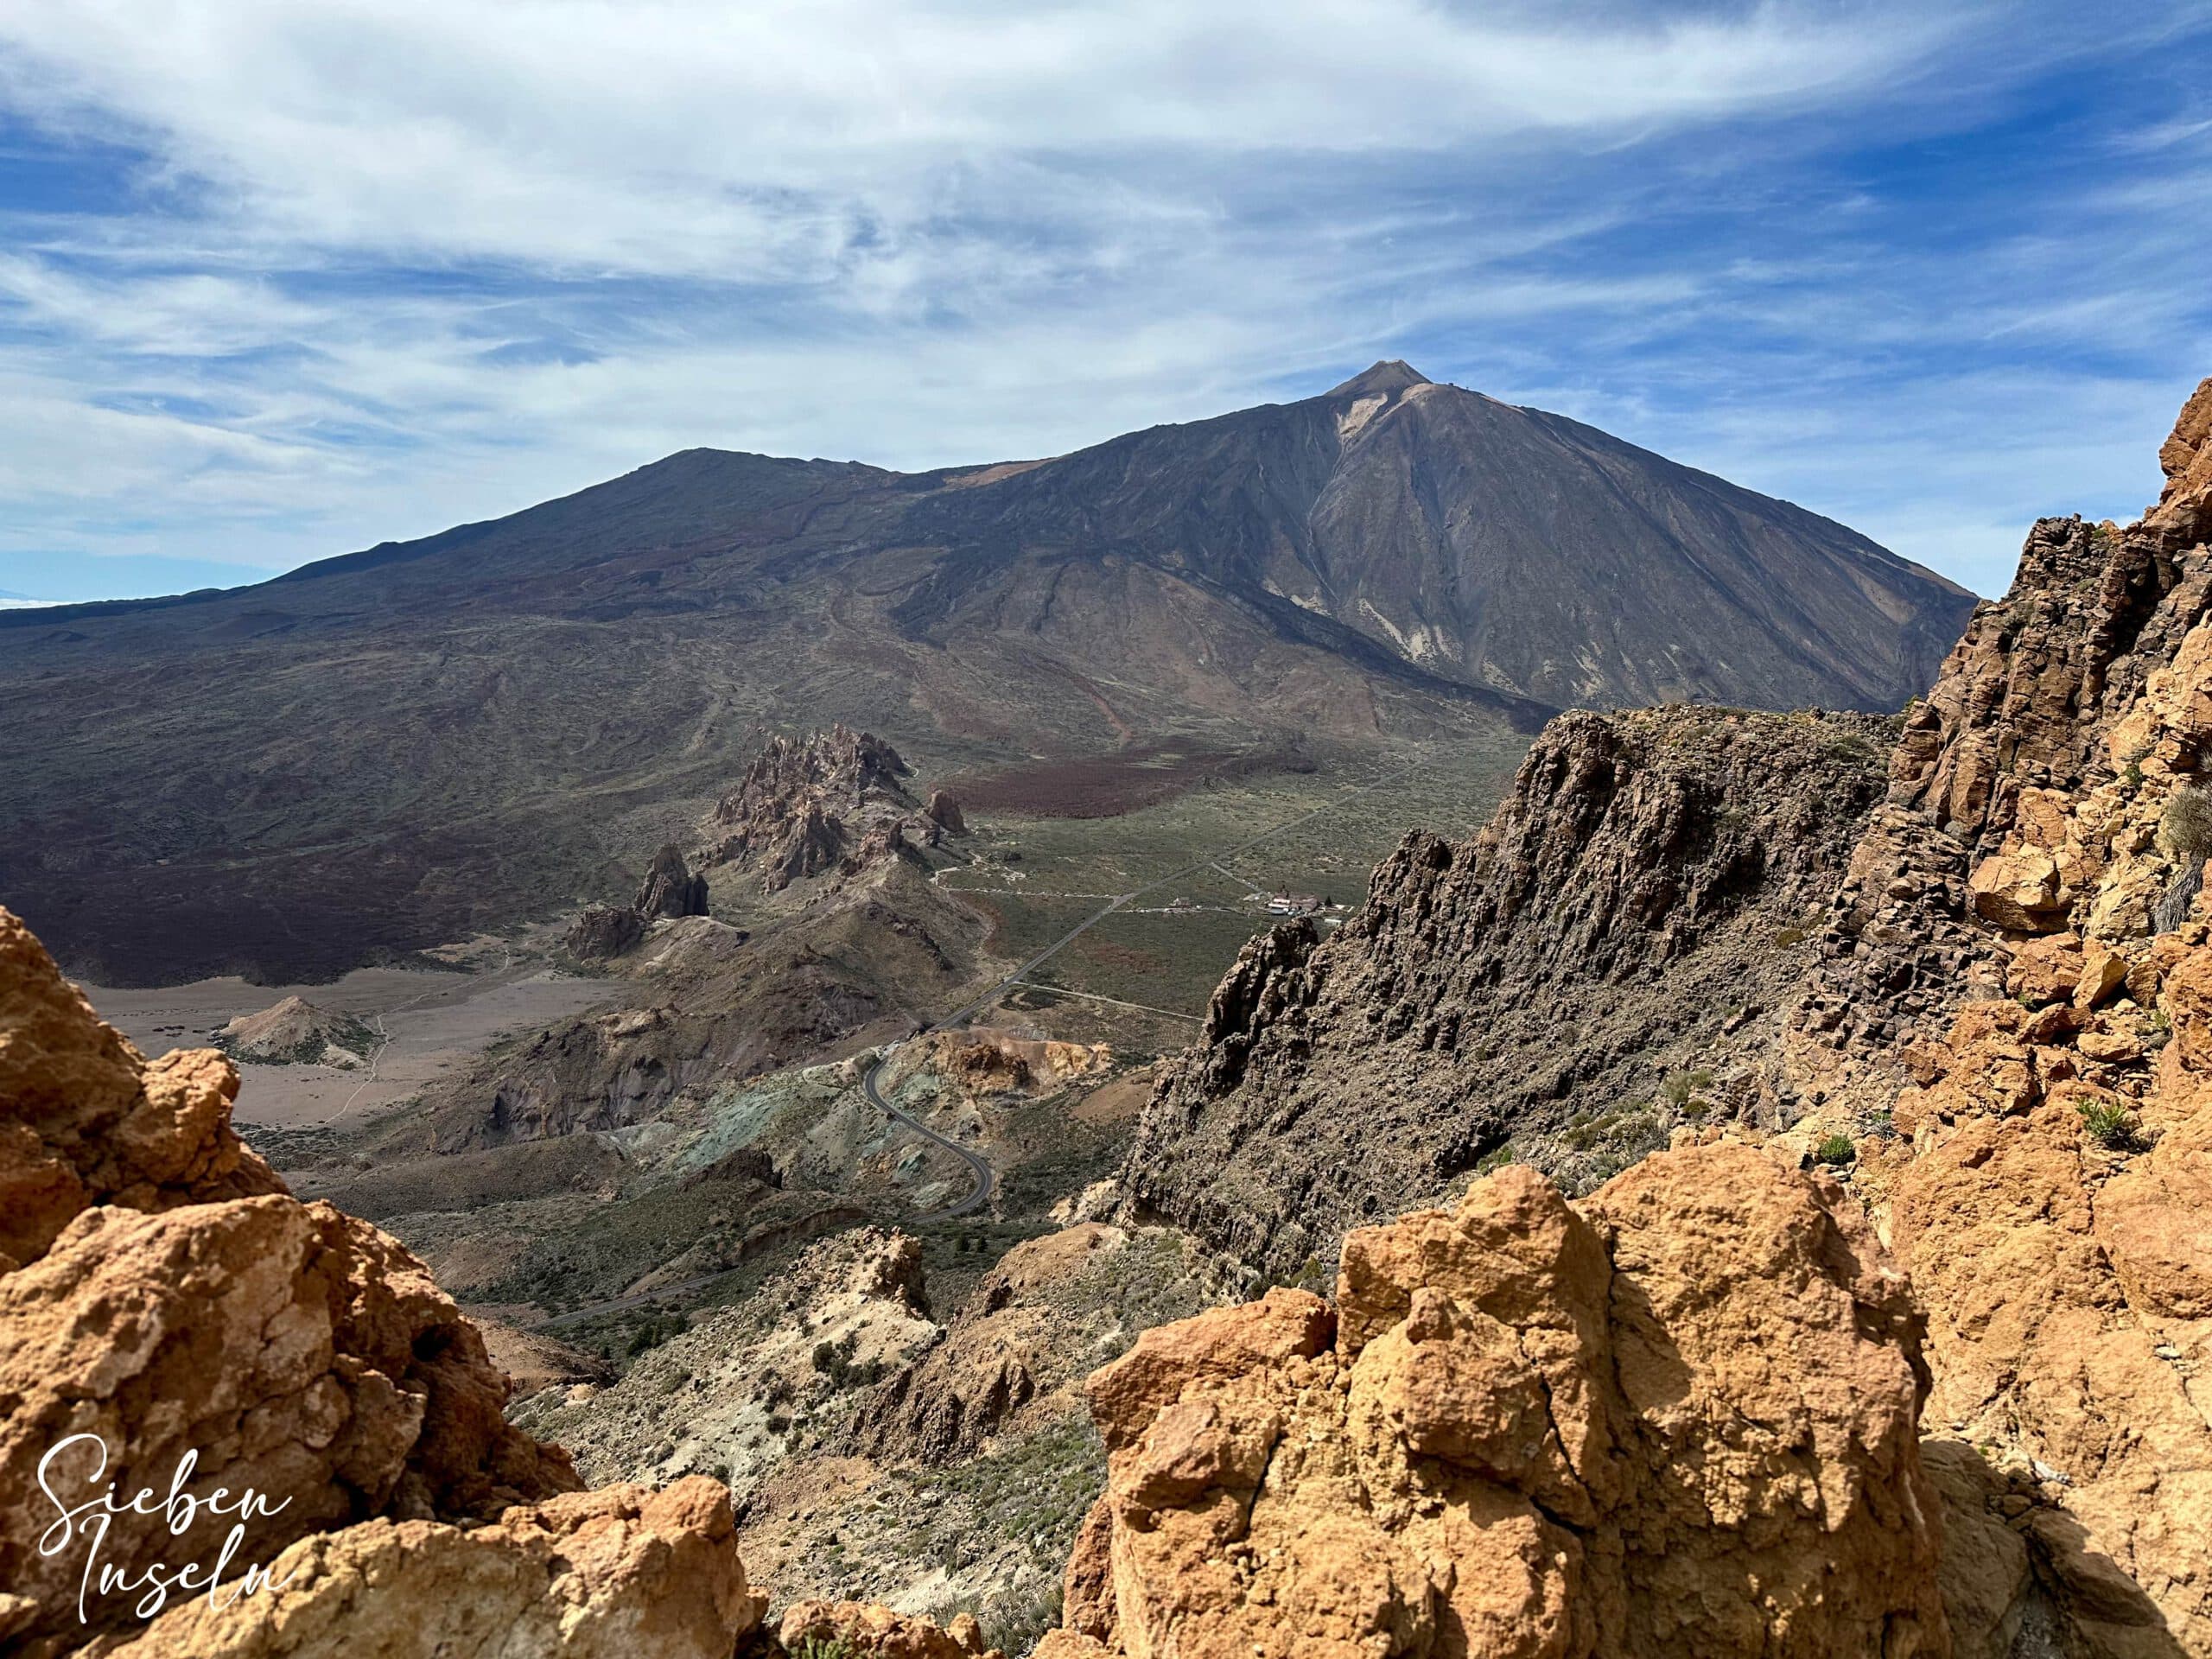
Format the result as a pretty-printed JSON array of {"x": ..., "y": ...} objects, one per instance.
[{"x": 387, "y": 749}]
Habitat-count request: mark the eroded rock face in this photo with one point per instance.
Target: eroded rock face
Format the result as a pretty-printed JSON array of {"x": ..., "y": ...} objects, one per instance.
[
  {"x": 602, "y": 932},
  {"x": 669, "y": 888},
  {"x": 1639, "y": 904},
  {"x": 1676, "y": 1419},
  {"x": 166, "y": 1304},
  {"x": 836, "y": 800}
]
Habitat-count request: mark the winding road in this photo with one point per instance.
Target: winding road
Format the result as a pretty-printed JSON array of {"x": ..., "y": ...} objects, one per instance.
[
  {"x": 986, "y": 1178},
  {"x": 979, "y": 1167}
]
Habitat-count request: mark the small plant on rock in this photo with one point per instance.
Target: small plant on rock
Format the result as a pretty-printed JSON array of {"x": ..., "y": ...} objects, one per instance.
[
  {"x": 1837, "y": 1151},
  {"x": 2109, "y": 1123}
]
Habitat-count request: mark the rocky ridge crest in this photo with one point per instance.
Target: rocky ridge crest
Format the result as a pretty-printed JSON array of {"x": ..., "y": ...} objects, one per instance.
[{"x": 1640, "y": 903}]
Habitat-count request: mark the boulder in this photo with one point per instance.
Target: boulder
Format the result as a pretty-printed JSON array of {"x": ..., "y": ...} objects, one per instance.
[
  {"x": 604, "y": 931},
  {"x": 610, "y": 1574},
  {"x": 1676, "y": 1419}
]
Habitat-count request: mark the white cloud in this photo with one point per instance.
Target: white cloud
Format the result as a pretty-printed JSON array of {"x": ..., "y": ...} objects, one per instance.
[
  {"x": 359, "y": 270},
  {"x": 768, "y": 141}
]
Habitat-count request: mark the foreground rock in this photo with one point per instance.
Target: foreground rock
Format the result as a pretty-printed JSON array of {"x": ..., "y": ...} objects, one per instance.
[
  {"x": 611, "y": 1574},
  {"x": 168, "y": 1312},
  {"x": 1676, "y": 1419}
]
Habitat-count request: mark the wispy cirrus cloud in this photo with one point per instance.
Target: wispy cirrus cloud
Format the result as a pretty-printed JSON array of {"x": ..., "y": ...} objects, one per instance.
[{"x": 283, "y": 279}]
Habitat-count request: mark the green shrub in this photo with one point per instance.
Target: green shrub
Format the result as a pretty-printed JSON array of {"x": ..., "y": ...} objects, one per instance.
[
  {"x": 1837, "y": 1150},
  {"x": 817, "y": 1647},
  {"x": 2110, "y": 1123}
]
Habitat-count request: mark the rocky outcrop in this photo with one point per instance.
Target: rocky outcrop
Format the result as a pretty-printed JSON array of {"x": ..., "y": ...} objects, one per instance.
[
  {"x": 602, "y": 932},
  {"x": 981, "y": 1061},
  {"x": 1675, "y": 1419},
  {"x": 863, "y": 1631},
  {"x": 1610, "y": 952},
  {"x": 1009, "y": 1343},
  {"x": 788, "y": 817},
  {"x": 171, "y": 1313},
  {"x": 944, "y": 810},
  {"x": 835, "y": 801},
  {"x": 610, "y": 1574},
  {"x": 2051, "y": 1186},
  {"x": 669, "y": 888},
  {"x": 295, "y": 1032}
]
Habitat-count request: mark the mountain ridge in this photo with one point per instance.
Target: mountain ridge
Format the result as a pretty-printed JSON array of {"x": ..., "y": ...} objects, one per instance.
[{"x": 527, "y": 698}]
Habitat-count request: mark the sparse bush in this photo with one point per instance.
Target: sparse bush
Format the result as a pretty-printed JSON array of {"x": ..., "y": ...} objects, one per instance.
[
  {"x": 817, "y": 1647},
  {"x": 1681, "y": 1085},
  {"x": 1836, "y": 1150},
  {"x": 2109, "y": 1123},
  {"x": 1792, "y": 935},
  {"x": 1495, "y": 1160},
  {"x": 2185, "y": 827}
]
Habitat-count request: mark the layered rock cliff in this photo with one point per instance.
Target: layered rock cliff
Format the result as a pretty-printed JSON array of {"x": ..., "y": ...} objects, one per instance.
[{"x": 1609, "y": 951}]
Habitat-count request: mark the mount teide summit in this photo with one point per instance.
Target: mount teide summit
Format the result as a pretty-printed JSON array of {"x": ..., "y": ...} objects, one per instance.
[{"x": 388, "y": 750}]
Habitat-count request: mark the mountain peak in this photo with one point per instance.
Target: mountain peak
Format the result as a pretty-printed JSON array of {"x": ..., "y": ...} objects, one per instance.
[{"x": 1393, "y": 374}]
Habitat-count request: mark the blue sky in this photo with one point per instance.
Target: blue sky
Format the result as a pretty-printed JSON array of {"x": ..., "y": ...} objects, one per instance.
[{"x": 282, "y": 280}]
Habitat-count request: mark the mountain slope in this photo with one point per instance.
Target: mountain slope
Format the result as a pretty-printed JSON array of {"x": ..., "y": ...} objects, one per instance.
[{"x": 394, "y": 747}]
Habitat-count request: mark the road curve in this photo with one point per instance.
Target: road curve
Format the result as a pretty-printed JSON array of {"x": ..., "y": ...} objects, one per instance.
[{"x": 986, "y": 1179}]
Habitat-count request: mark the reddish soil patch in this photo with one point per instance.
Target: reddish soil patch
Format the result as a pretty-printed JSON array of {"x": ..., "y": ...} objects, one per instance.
[
  {"x": 1107, "y": 785},
  {"x": 1116, "y": 1101}
]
